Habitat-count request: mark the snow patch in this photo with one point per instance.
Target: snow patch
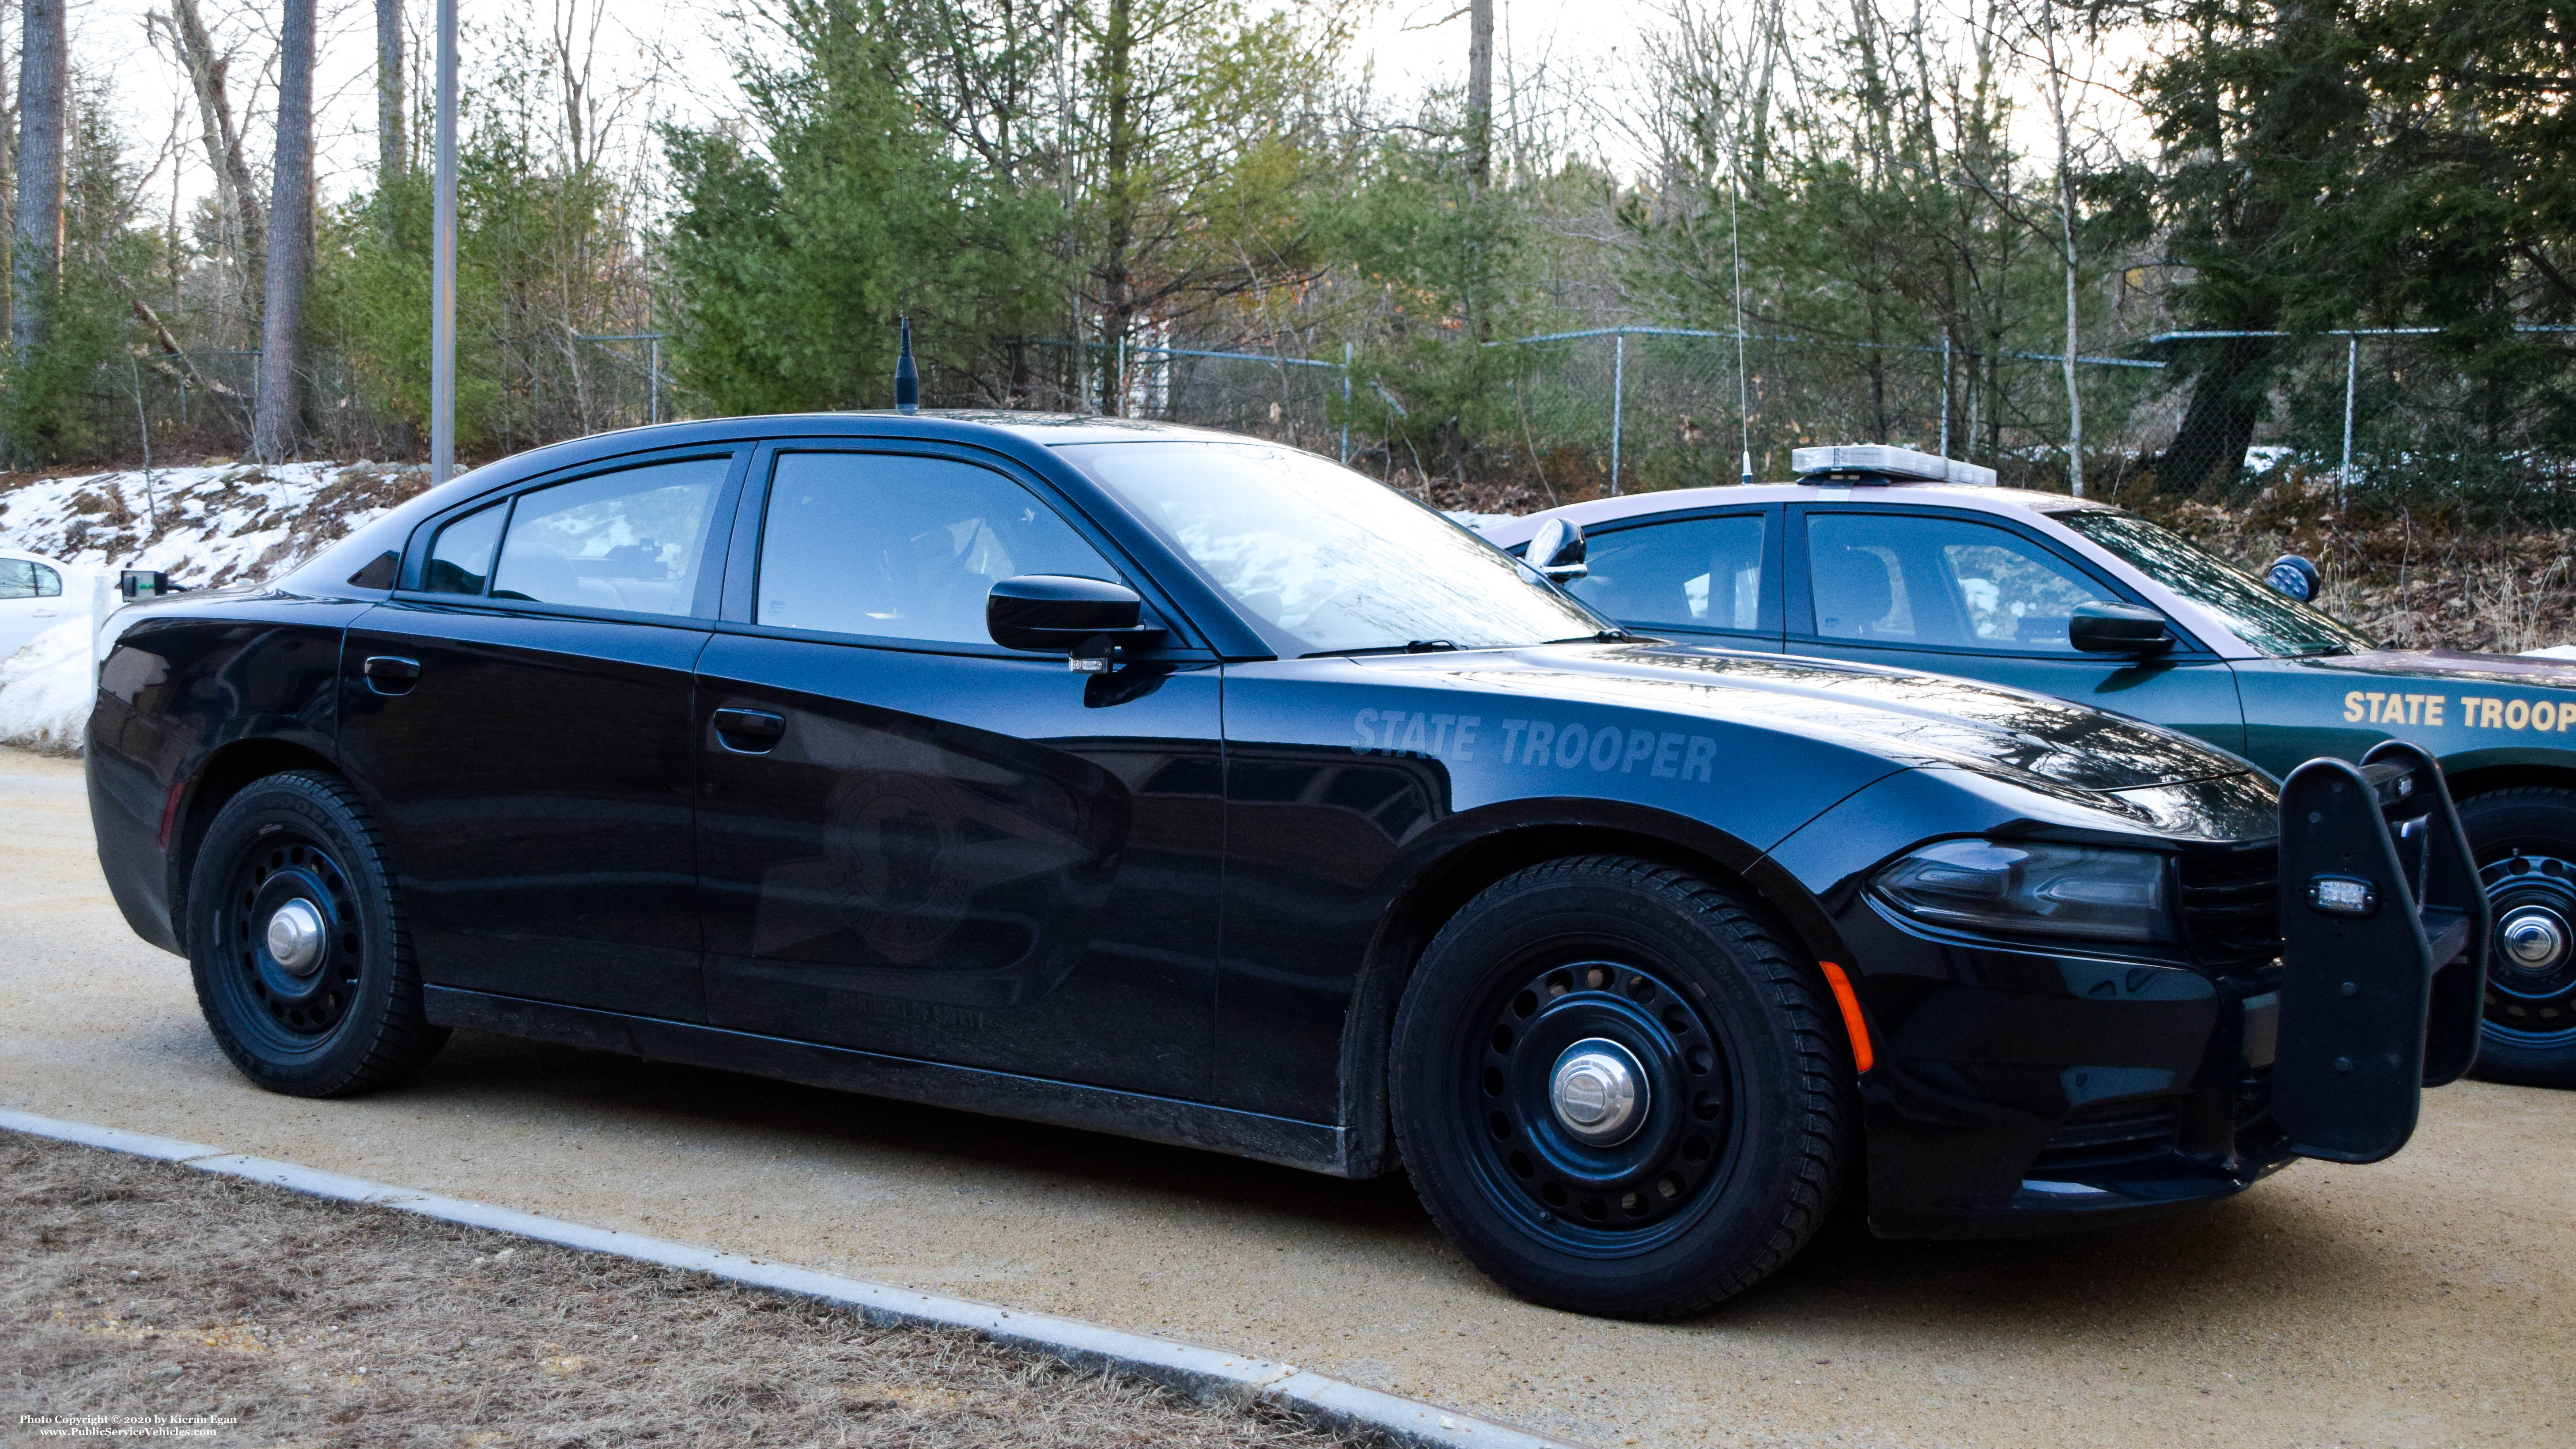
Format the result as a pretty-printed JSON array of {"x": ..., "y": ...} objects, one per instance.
[
  {"x": 45, "y": 690},
  {"x": 204, "y": 526}
]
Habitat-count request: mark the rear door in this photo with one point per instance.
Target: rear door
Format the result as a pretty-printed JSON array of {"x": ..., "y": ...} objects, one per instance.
[
  {"x": 916, "y": 842},
  {"x": 521, "y": 713},
  {"x": 1947, "y": 594},
  {"x": 1711, "y": 577}
]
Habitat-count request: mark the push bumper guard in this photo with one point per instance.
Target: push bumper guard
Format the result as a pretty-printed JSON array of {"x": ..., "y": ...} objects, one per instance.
[{"x": 2383, "y": 951}]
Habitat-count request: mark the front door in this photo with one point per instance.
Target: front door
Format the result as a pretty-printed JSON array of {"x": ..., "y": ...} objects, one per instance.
[
  {"x": 1947, "y": 595},
  {"x": 915, "y": 842},
  {"x": 1710, "y": 578},
  {"x": 522, "y": 715}
]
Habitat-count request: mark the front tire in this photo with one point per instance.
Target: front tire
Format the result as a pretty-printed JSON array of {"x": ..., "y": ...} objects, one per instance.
[
  {"x": 302, "y": 964},
  {"x": 2525, "y": 844},
  {"x": 1580, "y": 985}
]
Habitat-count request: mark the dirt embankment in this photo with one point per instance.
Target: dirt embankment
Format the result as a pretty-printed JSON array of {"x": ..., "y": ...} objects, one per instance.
[{"x": 139, "y": 1288}]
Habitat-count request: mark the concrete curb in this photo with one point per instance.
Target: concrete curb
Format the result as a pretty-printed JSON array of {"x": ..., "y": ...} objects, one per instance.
[{"x": 1200, "y": 1373}]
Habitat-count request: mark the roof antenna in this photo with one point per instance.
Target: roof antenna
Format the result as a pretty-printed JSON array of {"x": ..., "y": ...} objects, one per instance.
[
  {"x": 1743, "y": 392},
  {"x": 907, "y": 378}
]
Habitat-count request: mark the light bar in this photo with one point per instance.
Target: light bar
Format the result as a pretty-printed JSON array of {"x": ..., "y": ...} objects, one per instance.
[{"x": 1888, "y": 461}]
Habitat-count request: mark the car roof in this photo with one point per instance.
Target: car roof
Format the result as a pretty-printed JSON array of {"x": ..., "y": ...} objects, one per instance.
[{"x": 1682, "y": 500}]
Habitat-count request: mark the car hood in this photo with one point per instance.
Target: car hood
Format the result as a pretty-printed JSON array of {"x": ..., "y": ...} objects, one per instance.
[
  {"x": 2452, "y": 664},
  {"x": 1907, "y": 718}
]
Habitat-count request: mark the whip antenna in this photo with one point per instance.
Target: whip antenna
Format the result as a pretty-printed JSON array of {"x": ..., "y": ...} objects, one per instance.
[
  {"x": 907, "y": 378},
  {"x": 1743, "y": 391}
]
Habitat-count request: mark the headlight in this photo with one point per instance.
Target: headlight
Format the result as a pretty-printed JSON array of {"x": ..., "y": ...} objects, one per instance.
[{"x": 2033, "y": 889}]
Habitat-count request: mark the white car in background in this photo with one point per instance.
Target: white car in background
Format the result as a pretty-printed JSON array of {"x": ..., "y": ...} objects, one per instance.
[{"x": 37, "y": 594}]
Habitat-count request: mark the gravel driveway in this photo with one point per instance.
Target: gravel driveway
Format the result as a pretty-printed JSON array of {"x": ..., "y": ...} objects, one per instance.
[{"x": 2423, "y": 1301}]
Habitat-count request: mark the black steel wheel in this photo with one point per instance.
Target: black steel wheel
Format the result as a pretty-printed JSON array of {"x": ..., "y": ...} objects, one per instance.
[
  {"x": 1618, "y": 1090},
  {"x": 2525, "y": 843},
  {"x": 302, "y": 967}
]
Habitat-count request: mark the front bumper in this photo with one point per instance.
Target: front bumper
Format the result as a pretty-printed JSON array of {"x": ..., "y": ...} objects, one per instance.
[{"x": 2026, "y": 1089}]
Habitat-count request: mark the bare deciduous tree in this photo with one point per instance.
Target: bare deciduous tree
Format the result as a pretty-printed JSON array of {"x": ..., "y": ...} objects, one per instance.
[{"x": 242, "y": 235}]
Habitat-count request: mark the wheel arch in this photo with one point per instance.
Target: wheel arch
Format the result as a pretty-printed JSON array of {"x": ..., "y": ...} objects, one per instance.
[
  {"x": 1453, "y": 876},
  {"x": 2473, "y": 776},
  {"x": 225, "y": 773}
]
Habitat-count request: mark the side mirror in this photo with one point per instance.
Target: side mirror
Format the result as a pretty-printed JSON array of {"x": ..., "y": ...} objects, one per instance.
[
  {"x": 2296, "y": 577},
  {"x": 2100, "y": 628},
  {"x": 1084, "y": 619},
  {"x": 1557, "y": 550}
]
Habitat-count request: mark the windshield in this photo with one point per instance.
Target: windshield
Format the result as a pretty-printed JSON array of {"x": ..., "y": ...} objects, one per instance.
[
  {"x": 1333, "y": 559},
  {"x": 2260, "y": 615}
]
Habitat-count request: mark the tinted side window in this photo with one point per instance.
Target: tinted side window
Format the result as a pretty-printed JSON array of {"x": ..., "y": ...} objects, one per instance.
[
  {"x": 18, "y": 578},
  {"x": 48, "y": 583},
  {"x": 1692, "y": 573},
  {"x": 1914, "y": 579},
  {"x": 633, "y": 540},
  {"x": 460, "y": 559},
  {"x": 903, "y": 547}
]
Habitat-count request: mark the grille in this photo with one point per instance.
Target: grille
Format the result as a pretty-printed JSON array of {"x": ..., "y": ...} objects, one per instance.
[
  {"x": 2110, "y": 1134},
  {"x": 2231, "y": 907}
]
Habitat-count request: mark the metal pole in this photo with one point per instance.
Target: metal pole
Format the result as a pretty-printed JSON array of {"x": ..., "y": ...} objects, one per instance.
[
  {"x": 1618, "y": 386},
  {"x": 1945, "y": 392},
  {"x": 2351, "y": 373},
  {"x": 442, "y": 284},
  {"x": 653, "y": 379},
  {"x": 1346, "y": 404}
]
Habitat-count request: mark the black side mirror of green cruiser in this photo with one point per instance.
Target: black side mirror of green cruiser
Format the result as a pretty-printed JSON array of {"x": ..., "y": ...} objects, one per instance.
[{"x": 2100, "y": 628}]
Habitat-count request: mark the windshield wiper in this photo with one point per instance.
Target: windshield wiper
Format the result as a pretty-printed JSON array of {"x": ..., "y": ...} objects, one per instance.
[{"x": 1411, "y": 646}]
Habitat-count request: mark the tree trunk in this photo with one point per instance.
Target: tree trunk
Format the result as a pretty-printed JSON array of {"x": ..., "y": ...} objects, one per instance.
[
  {"x": 290, "y": 243},
  {"x": 393, "y": 148},
  {"x": 1480, "y": 93},
  {"x": 2227, "y": 400},
  {"x": 2066, "y": 251},
  {"x": 36, "y": 241},
  {"x": 1117, "y": 305}
]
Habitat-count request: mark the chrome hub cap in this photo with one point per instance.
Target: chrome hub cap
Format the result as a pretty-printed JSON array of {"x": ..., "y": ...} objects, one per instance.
[
  {"x": 1598, "y": 1092},
  {"x": 2533, "y": 938},
  {"x": 295, "y": 936},
  {"x": 1602, "y": 1102},
  {"x": 2531, "y": 971}
]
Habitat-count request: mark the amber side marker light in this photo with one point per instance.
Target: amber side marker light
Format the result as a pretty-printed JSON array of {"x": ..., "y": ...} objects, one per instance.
[{"x": 1862, "y": 1056}]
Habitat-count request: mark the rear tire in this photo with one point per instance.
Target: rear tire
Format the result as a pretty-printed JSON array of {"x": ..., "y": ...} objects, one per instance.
[
  {"x": 1734, "y": 1145},
  {"x": 327, "y": 1010},
  {"x": 2525, "y": 844}
]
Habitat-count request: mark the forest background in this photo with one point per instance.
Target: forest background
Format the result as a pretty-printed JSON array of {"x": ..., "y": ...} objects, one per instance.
[{"x": 1968, "y": 224}]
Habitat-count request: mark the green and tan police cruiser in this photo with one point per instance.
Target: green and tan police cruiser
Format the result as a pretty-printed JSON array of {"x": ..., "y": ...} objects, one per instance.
[{"x": 1891, "y": 556}]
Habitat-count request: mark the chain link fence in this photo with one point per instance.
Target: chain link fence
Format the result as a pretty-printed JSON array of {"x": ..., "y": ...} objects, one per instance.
[
  {"x": 1618, "y": 409},
  {"x": 162, "y": 404}
]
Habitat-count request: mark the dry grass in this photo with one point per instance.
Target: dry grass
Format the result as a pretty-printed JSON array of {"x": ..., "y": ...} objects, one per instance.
[
  {"x": 130, "y": 1287},
  {"x": 2415, "y": 581}
]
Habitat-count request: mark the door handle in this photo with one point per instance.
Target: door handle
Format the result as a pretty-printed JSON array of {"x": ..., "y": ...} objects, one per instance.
[
  {"x": 388, "y": 675},
  {"x": 749, "y": 731}
]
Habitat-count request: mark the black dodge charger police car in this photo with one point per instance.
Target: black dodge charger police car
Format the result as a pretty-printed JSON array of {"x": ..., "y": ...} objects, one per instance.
[{"x": 1190, "y": 787}]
